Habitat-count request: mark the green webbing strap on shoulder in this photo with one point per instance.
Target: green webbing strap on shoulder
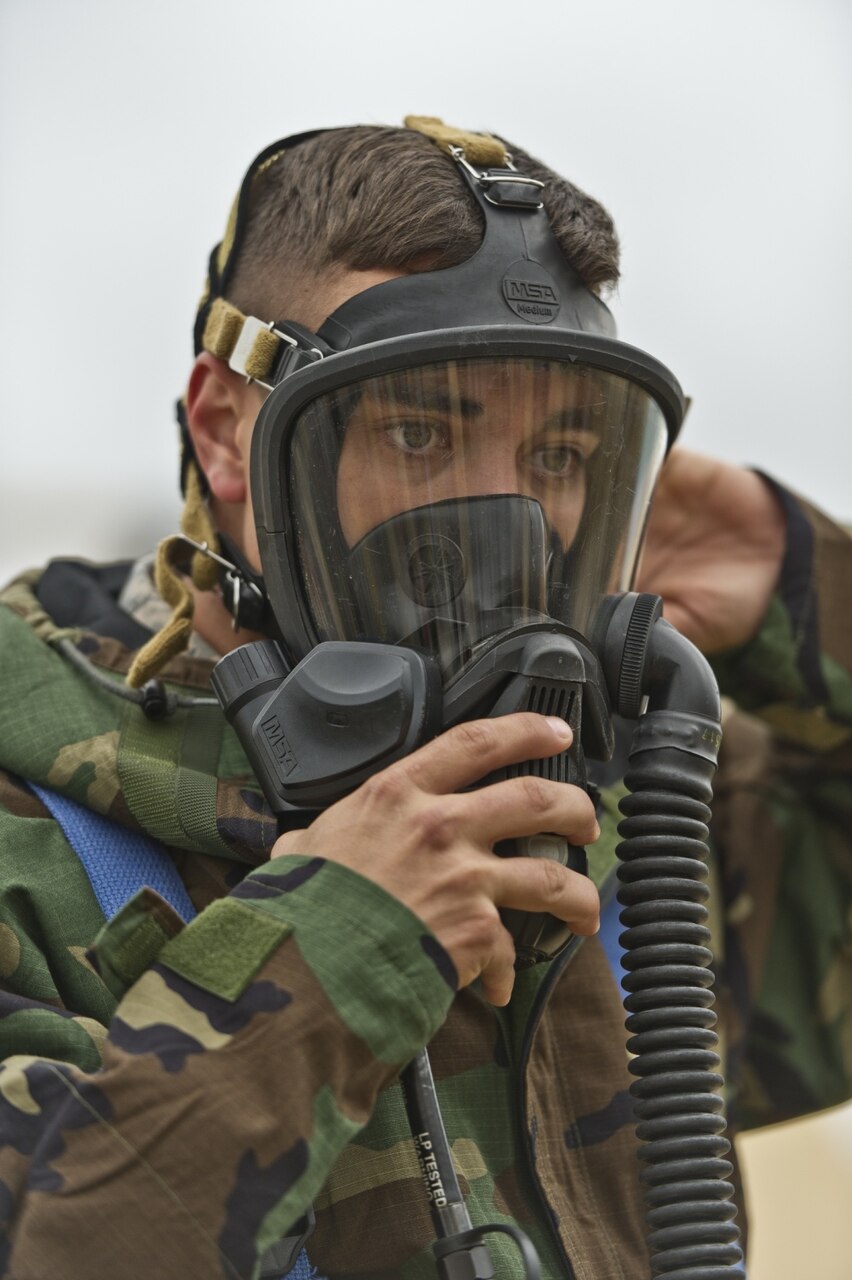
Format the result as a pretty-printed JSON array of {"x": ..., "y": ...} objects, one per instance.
[{"x": 168, "y": 778}]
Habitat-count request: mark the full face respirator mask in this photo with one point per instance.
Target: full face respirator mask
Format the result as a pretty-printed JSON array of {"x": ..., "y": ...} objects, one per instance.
[{"x": 451, "y": 480}]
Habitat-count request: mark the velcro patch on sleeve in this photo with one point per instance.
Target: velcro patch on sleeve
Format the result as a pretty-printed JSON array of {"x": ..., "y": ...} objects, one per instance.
[
  {"x": 132, "y": 940},
  {"x": 222, "y": 950}
]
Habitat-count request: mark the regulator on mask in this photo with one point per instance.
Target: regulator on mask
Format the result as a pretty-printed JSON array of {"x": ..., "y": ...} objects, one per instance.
[{"x": 451, "y": 481}]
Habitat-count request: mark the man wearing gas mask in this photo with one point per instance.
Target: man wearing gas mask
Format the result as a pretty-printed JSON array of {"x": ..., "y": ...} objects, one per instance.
[{"x": 418, "y": 467}]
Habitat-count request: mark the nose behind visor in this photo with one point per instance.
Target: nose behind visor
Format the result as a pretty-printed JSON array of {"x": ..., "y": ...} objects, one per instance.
[{"x": 447, "y": 576}]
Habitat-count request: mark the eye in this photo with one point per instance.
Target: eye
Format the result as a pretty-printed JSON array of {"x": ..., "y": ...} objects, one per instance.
[
  {"x": 560, "y": 460},
  {"x": 417, "y": 436}
]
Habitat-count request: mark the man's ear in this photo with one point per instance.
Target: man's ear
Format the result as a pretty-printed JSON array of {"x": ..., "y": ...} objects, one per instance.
[{"x": 220, "y": 410}]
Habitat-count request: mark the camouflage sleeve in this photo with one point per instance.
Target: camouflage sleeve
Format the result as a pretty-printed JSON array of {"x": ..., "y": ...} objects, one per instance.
[
  {"x": 797, "y": 671},
  {"x": 782, "y": 828},
  {"x": 48, "y": 917},
  {"x": 246, "y": 1050}
]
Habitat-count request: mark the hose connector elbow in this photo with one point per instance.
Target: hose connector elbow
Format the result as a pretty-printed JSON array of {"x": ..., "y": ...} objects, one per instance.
[{"x": 654, "y": 672}]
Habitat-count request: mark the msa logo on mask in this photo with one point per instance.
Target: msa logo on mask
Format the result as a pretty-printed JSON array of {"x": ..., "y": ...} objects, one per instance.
[
  {"x": 281, "y": 750},
  {"x": 530, "y": 292}
]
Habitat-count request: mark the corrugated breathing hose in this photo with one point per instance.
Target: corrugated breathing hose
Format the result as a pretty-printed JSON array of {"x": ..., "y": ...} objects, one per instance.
[{"x": 679, "y": 1110}]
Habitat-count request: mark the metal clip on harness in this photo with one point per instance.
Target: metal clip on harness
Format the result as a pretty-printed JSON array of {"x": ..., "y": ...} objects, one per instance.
[{"x": 678, "y": 1107}]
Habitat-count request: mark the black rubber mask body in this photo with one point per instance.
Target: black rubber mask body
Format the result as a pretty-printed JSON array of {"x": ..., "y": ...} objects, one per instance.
[
  {"x": 516, "y": 302},
  {"x": 448, "y": 576},
  {"x": 518, "y": 275}
]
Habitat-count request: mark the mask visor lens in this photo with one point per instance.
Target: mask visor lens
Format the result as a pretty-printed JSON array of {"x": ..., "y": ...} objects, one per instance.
[{"x": 442, "y": 504}]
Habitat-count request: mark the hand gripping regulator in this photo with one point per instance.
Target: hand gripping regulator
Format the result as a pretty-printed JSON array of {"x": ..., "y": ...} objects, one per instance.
[{"x": 349, "y": 709}]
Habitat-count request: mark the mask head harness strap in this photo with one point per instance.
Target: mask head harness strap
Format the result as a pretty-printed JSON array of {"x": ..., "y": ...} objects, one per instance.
[
  {"x": 519, "y": 252},
  {"x": 214, "y": 559},
  {"x": 218, "y": 325},
  {"x": 500, "y": 182},
  {"x": 268, "y": 351}
]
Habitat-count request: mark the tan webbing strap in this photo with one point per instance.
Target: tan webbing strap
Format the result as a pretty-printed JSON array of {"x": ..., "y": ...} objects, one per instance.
[
  {"x": 173, "y": 638},
  {"x": 479, "y": 148},
  {"x": 223, "y": 328},
  {"x": 226, "y": 333},
  {"x": 261, "y": 358},
  {"x": 196, "y": 523}
]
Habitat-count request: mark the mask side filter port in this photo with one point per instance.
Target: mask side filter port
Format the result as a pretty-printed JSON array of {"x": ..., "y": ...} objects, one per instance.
[{"x": 346, "y": 711}]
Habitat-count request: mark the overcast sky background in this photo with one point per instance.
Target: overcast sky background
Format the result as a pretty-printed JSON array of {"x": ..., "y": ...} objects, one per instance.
[
  {"x": 718, "y": 134},
  {"x": 716, "y": 131}
]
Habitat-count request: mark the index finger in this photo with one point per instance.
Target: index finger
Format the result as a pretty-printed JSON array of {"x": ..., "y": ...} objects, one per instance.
[{"x": 468, "y": 752}]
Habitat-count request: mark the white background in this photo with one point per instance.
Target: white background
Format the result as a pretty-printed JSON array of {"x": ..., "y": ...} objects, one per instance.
[{"x": 718, "y": 134}]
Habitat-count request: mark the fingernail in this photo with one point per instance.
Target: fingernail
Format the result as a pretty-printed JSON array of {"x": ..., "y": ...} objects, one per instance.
[{"x": 560, "y": 727}]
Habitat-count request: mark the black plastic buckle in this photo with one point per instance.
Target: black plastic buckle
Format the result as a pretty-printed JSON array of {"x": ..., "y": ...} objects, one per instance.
[{"x": 299, "y": 347}]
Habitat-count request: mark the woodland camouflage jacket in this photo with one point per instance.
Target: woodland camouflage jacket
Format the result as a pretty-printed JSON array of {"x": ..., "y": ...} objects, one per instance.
[{"x": 173, "y": 1100}]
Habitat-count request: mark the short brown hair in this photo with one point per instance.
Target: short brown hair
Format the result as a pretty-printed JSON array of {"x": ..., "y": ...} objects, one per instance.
[{"x": 372, "y": 197}]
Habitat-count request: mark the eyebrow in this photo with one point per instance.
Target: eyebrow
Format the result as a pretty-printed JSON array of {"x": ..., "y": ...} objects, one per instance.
[
  {"x": 432, "y": 398},
  {"x": 573, "y": 417}
]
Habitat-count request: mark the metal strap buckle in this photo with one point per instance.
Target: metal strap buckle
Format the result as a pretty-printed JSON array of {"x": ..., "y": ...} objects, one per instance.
[
  {"x": 237, "y": 582},
  {"x": 245, "y": 343},
  {"x": 490, "y": 177}
]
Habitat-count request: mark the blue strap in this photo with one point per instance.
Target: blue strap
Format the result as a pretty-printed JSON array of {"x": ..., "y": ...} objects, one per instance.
[
  {"x": 302, "y": 1270},
  {"x": 117, "y": 861}
]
